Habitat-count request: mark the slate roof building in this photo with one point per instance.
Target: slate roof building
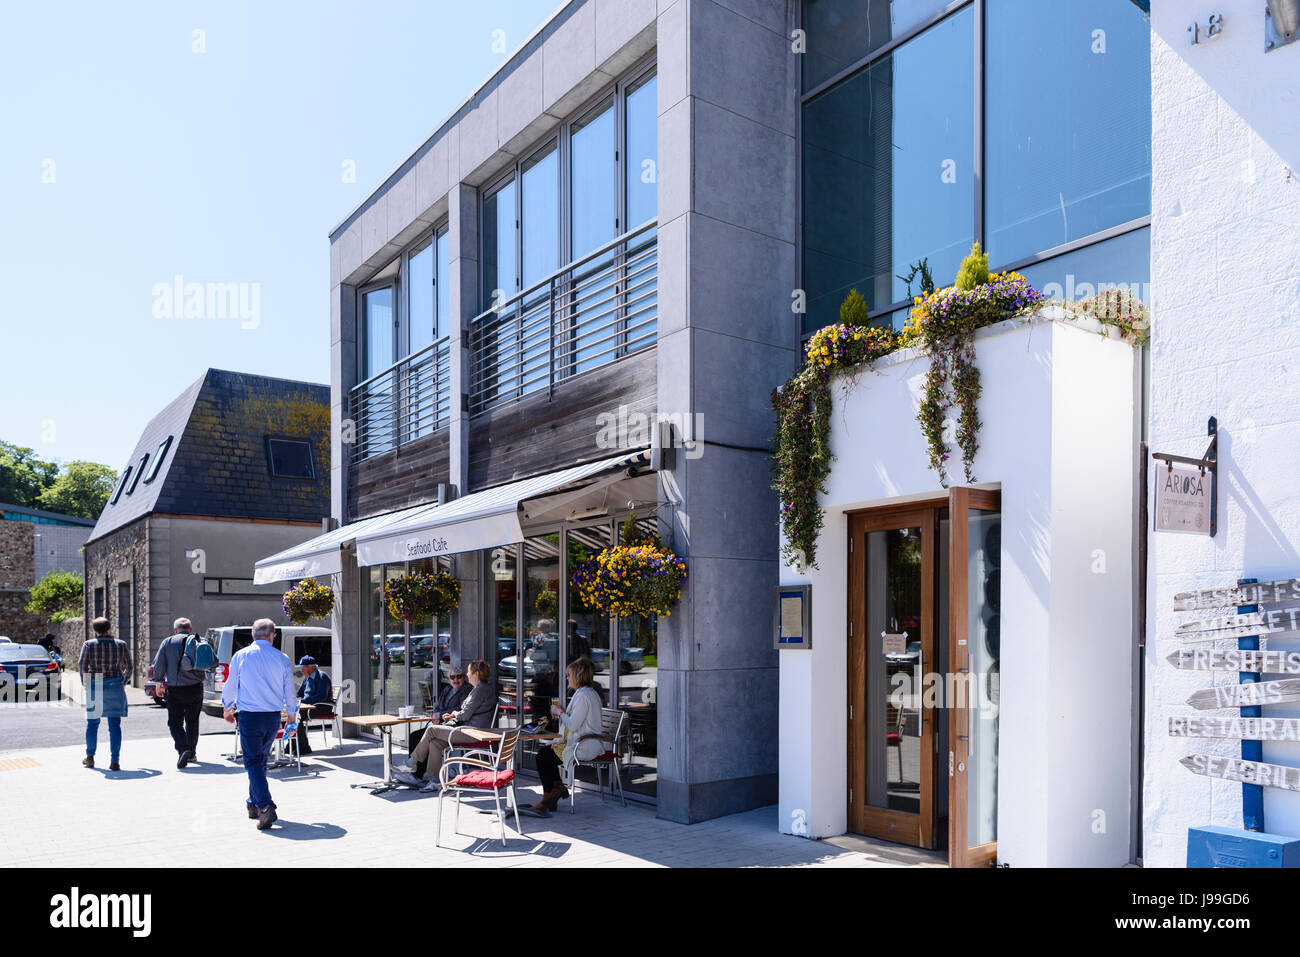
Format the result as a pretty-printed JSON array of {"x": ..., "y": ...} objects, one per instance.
[{"x": 234, "y": 467}]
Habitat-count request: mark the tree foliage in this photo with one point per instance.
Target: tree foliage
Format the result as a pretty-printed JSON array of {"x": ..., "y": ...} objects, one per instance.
[
  {"x": 82, "y": 490},
  {"x": 57, "y": 592},
  {"x": 29, "y": 481}
]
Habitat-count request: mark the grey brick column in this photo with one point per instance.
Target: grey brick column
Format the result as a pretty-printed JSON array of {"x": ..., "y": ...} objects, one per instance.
[
  {"x": 727, "y": 186},
  {"x": 463, "y": 232}
]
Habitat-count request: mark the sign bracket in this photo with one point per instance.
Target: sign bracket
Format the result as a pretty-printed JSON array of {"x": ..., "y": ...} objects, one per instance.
[{"x": 1207, "y": 462}]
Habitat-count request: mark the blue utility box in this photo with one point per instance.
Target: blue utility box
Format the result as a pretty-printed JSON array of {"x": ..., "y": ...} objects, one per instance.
[{"x": 1233, "y": 847}]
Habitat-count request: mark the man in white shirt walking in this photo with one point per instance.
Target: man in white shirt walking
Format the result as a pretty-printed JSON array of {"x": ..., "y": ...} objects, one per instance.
[{"x": 259, "y": 687}]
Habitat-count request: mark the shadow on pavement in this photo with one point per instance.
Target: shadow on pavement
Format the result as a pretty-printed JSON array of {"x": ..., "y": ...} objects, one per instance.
[
  {"x": 211, "y": 767},
  {"x": 302, "y": 831},
  {"x": 133, "y": 774},
  {"x": 515, "y": 847}
]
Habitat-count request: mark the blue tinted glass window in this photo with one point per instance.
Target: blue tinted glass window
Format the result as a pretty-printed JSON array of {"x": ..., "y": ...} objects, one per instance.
[
  {"x": 642, "y": 153},
  {"x": 592, "y": 182},
  {"x": 1122, "y": 261},
  {"x": 444, "y": 284},
  {"x": 888, "y": 159},
  {"x": 1068, "y": 134},
  {"x": 842, "y": 32},
  {"x": 541, "y": 217},
  {"x": 419, "y": 298},
  {"x": 377, "y": 308},
  {"x": 499, "y": 244}
]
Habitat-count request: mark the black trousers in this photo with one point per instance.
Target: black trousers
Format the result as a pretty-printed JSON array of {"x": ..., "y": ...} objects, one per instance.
[
  {"x": 548, "y": 768},
  {"x": 184, "y": 705}
]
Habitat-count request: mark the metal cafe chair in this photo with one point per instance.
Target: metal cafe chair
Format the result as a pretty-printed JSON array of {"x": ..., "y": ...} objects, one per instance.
[
  {"x": 288, "y": 733},
  {"x": 612, "y": 726},
  {"x": 488, "y": 771}
]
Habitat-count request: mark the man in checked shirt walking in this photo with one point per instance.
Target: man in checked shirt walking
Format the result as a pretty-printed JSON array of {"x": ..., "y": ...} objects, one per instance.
[
  {"x": 104, "y": 665},
  {"x": 259, "y": 687}
]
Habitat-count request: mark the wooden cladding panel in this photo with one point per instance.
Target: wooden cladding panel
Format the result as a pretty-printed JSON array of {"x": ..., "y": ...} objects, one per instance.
[
  {"x": 399, "y": 479},
  {"x": 543, "y": 433}
]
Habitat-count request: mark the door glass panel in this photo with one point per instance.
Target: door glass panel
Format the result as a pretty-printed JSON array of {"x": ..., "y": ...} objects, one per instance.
[
  {"x": 587, "y": 632},
  {"x": 893, "y": 692},
  {"x": 394, "y": 653},
  {"x": 501, "y": 631},
  {"x": 984, "y": 555},
  {"x": 540, "y": 643},
  {"x": 428, "y": 646},
  {"x": 593, "y": 186},
  {"x": 941, "y": 669}
]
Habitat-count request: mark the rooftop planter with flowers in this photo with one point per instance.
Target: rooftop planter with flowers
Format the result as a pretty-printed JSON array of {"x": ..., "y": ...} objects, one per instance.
[{"x": 941, "y": 327}]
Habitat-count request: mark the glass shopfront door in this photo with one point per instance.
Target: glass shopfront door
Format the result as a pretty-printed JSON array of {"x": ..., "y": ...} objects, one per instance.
[{"x": 924, "y": 673}]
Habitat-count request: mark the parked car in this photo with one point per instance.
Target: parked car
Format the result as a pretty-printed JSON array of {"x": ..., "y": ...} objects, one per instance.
[
  {"x": 629, "y": 659},
  {"x": 294, "y": 640},
  {"x": 155, "y": 689},
  {"x": 29, "y": 670},
  {"x": 4, "y": 640}
]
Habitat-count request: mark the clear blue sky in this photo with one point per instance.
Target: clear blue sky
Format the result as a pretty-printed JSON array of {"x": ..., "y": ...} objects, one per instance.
[{"x": 223, "y": 166}]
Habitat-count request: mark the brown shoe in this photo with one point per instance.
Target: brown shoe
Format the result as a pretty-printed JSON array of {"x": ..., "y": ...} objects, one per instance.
[
  {"x": 266, "y": 818},
  {"x": 88, "y": 761},
  {"x": 114, "y": 767},
  {"x": 253, "y": 813}
]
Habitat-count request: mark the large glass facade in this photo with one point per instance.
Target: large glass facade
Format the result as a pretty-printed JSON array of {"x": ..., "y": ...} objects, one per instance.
[
  {"x": 1068, "y": 122},
  {"x": 890, "y": 171}
]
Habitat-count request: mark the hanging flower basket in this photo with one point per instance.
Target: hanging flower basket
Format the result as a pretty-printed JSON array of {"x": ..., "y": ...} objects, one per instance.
[
  {"x": 307, "y": 600},
  {"x": 637, "y": 577},
  {"x": 422, "y": 595},
  {"x": 547, "y": 602}
]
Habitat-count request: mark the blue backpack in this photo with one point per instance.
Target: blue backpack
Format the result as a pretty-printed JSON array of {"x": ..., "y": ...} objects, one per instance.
[{"x": 199, "y": 653}]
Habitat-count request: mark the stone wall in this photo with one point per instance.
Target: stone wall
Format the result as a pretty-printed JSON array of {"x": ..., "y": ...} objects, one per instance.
[
  {"x": 116, "y": 559},
  {"x": 70, "y": 635},
  {"x": 17, "y": 575}
]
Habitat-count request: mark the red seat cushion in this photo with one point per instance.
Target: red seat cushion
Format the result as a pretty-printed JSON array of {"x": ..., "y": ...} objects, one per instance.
[
  {"x": 606, "y": 757},
  {"x": 892, "y": 737},
  {"x": 488, "y": 780}
]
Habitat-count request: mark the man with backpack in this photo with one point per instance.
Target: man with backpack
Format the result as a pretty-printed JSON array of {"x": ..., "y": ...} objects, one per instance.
[{"x": 181, "y": 664}]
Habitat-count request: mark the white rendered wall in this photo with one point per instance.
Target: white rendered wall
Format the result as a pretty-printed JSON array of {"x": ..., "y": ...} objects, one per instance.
[
  {"x": 1058, "y": 411},
  {"x": 1225, "y": 266}
]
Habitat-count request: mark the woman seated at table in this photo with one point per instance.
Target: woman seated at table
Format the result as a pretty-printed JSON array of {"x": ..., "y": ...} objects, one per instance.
[
  {"x": 476, "y": 712},
  {"x": 580, "y": 719}
]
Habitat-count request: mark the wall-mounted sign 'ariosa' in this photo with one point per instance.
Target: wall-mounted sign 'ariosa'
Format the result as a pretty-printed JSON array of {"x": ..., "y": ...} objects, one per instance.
[
  {"x": 1247, "y": 772},
  {"x": 1234, "y": 659},
  {"x": 1183, "y": 500},
  {"x": 1257, "y": 594},
  {"x": 1247, "y": 729},
  {"x": 1248, "y": 695}
]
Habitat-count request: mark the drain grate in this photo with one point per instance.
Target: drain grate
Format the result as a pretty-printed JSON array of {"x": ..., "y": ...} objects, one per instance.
[{"x": 17, "y": 764}]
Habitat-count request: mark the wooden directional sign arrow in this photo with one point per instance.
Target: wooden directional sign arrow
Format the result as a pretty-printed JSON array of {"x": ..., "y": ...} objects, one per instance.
[
  {"x": 1246, "y": 695},
  {"x": 1273, "y": 622},
  {"x": 1247, "y": 729},
  {"x": 1232, "y": 659},
  {"x": 1247, "y": 772},
  {"x": 1283, "y": 590}
]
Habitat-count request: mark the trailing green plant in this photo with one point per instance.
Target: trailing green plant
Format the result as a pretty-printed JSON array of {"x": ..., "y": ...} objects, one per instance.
[
  {"x": 801, "y": 458},
  {"x": 307, "y": 600},
  {"x": 422, "y": 595},
  {"x": 944, "y": 323},
  {"x": 853, "y": 310},
  {"x": 974, "y": 270},
  {"x": 1115, "y": 308}
]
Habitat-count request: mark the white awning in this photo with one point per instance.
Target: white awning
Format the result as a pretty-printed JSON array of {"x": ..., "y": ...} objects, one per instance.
[
  {"x": 319, "y": 555},
  {"x": 487, "y": 519}
]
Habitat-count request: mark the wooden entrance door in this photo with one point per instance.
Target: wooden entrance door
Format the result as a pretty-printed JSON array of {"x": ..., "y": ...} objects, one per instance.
[
  {"x": 892, "y": 560},
  {"x": 974, "y": 630}
]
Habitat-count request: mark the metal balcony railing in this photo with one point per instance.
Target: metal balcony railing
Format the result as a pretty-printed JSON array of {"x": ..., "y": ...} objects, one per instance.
[
  {"x": 592, "y": 312},
  {"x": 408, "y": 400}
]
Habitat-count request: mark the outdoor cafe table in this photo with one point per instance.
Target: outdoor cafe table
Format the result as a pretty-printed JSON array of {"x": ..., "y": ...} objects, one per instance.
[{"x": 385, "y": 723}]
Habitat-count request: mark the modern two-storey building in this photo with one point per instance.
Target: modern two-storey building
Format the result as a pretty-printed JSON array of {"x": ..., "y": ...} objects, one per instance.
[{"x": 590, "y": 262}]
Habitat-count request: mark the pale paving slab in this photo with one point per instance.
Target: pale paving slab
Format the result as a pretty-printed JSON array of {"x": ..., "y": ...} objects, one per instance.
[{"x": 150, "y": 814}]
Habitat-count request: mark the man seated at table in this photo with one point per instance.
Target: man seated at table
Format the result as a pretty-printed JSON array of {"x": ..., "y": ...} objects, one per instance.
[
  {"x": 317, "y": 691},
  {"x": 475, "y": 712}
]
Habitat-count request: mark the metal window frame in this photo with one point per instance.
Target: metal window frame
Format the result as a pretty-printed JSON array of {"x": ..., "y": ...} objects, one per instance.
[
  {"x": 979, "y": 152},
  {"x": 270, "y": 458}
]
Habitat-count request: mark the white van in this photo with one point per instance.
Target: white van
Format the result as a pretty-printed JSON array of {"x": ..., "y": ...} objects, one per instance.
[{"x": 294, "y": 640}]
